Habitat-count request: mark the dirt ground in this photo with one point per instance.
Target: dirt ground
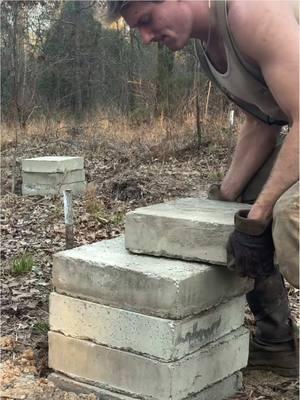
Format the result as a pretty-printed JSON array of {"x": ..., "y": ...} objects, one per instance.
[{"x": 121, "y": 176}]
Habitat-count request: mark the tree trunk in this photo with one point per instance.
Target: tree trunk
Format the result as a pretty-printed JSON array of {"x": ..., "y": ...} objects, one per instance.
[
  {"x": 165, "y": 65},
  {"x": 131, "y": 73},
  {"x": 78, "y": 93}
]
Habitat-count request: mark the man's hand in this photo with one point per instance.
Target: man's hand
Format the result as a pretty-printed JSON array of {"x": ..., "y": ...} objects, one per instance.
[{"x": 250, "y": 249}]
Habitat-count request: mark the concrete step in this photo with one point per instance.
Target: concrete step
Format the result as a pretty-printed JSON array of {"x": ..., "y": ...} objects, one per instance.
[
  {"x": 163, "y": 339},
  {"x": 190, "y": 229},
  {"x": 135, "y": 375},
  {"x": 218, "y": 391},
  {"x": 106, "y": 273}
]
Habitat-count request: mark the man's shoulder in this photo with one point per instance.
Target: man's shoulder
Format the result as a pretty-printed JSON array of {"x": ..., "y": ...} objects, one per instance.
[
  {"x": 250, "y": 12},
  {"x": 253, "y": 22}
]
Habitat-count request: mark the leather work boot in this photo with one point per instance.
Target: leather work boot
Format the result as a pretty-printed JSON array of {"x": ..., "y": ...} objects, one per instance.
[{"x": 274, "y": 347}]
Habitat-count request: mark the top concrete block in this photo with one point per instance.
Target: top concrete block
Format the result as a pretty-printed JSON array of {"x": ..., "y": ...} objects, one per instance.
[
  {"x": 52, "y": 164},
  {"x": 106, "y": 273},
  {"x": 190, "y": 229}
]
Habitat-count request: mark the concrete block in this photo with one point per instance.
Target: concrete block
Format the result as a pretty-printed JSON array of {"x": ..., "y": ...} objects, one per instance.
[
  {"x": 47, "y": 190},
  {"x": 53, "y": 179},
  {"x": 190, "y": 229},
  {"x": 218, "y": 391},
  {"x": 135, "y": 375},
  {"x": 106, "y": 273},
  {"x": 52, "y": 164},
  {"x": 159, "y": 338}
]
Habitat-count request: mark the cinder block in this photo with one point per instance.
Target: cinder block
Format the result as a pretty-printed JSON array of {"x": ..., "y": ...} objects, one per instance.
[
  {"x": 46, "y": 190},
  {"x": 190, "y": 229},
  {"x": 52, "y": 164},
  {"x": 106, "y": 273},
  {"x": 218, "y": 391},
  {"x": 53, "y": 179},
  {"x": 135, "y": 375},
  {"x": 159, "y": 338}
]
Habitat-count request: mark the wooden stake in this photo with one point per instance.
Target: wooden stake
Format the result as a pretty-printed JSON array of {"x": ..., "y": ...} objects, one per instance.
[{"x": 69, "y": 223}]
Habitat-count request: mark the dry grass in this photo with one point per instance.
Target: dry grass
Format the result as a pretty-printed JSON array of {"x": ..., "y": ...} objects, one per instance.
[{"x": 156, "y": 138}]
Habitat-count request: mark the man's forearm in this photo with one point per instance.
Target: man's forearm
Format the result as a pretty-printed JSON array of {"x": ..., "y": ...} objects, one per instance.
[
  {"x": 255, "y": 144},
  {"x": 284, "y": 174}
]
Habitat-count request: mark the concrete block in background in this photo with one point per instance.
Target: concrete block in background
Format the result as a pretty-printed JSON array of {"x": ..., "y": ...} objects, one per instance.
[
  {"x": 42, "y": 176},
  {"x": 48, "y": 190},
  {"x": 52, "y": 164},
  {"x": 53, "y": 179}
]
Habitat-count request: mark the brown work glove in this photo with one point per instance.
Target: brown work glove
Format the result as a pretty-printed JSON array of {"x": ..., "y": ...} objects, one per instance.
[
  {"x": 250, "y": 248},
  {"x": 214, "y": 193}
]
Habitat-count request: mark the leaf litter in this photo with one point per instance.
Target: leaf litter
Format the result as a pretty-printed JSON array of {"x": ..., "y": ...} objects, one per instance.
[{"x": 120, "y": 178}]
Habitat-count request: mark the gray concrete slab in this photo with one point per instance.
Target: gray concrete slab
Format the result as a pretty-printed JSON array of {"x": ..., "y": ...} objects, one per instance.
[
  {"x": 191, "y": 229},
  {"x": 48, "y": 190},
  {"x": 106, "y": 273},
  {"x": 52, "y": 164},
  {"x": 135, "y": 375},
  {"x": 218, "y": 391},
  {"x": 159, "y": 338},
  {"x": 53, "y": 179}
]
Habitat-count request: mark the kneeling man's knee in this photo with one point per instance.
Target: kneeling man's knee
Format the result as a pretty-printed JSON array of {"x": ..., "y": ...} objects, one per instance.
[{"x": 286, "y": 234}]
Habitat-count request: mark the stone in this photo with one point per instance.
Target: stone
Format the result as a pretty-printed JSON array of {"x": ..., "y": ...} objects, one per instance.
[
  {"x": 135, "y": 375},
  {"x": 106, "y": 273},
  {"x": 218, "y": 391},
  {"x": 53, "y": 179},
  {"x": 52, "y": 164},
  {"x": 159, "y": 338},
  {"x": 190, "y": 229},
  {"x": 48, "y": 190}
]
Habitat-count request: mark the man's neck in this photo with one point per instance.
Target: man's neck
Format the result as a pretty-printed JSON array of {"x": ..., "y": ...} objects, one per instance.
[{"x": 204, "y": 20}]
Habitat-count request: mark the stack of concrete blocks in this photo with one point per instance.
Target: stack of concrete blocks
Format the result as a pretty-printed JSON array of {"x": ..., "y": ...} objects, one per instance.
[
  {"x": 127, "y": 326},
  {"x": 42, "y": 176}
]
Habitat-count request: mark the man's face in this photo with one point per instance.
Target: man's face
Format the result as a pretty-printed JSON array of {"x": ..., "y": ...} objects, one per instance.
[{"x": 163, "y": 21}]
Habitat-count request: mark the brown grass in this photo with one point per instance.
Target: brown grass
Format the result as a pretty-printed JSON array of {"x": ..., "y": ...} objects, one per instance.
[{"x": 157, "y": 136}]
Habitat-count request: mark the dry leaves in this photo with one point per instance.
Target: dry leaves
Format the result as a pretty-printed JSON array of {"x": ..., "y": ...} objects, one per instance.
[{"x": 124, "y": 175}]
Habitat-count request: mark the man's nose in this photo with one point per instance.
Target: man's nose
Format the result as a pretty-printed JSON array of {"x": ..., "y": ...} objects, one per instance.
[{"x": 146, "y": 35}]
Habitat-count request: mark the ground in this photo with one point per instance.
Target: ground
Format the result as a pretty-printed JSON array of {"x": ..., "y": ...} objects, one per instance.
[{"x": 121, "y": 175}]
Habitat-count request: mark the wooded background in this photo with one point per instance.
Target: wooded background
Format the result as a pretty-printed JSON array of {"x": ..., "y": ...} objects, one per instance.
[{"x": 60, "y": 58}]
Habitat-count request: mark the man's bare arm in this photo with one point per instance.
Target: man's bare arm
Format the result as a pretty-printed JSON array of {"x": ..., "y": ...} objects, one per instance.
[
  {"x": 255, "y": 143},
  {"x": 268, "y": 32},
  {"x": 284, "y": 174}
]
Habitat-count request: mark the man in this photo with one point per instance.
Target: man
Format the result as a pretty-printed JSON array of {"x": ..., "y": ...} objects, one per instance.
[{"x": 250, "y": 50}]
